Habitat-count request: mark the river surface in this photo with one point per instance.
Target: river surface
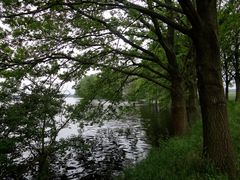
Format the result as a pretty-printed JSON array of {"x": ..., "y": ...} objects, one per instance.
[{"x": 111, "y": 146}]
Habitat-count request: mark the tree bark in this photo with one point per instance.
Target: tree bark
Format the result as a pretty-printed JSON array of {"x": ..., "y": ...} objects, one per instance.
[
  {"x": 191, "y": 87},
  {"x": 237, "y": 69},
  {"x": 217, "y": 144},
  {"x": 178, "y": 106},
  {"x": 43, "y": 171},
  {"x": 192, "y": 103},
  {"x": 227, "y": 90},
  {"x": 227, "y": 79},
  {"x": 237, "y": 81}
]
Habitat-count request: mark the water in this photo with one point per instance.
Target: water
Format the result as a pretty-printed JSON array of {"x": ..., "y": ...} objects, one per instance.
[
  {"x": 113, "y": 146},
  {"x": 93, "y": 151},
  {"x": 156, "y": 124}
]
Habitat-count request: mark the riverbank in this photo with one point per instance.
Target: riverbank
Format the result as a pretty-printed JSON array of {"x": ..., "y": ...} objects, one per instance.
[{"x": 180, "y": 158}]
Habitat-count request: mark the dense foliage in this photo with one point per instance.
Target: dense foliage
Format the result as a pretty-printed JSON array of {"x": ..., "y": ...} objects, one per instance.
[{"x": 157, "y": 50}]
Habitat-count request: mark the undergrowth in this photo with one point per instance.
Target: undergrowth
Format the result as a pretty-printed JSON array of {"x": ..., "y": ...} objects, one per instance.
[{"x": 180, "y": 158}]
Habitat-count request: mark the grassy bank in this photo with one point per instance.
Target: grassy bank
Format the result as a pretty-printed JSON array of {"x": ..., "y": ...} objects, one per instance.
[{"x": 181, "y": 158}]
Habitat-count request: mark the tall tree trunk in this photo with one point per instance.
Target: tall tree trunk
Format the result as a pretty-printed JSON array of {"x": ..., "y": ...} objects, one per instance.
[
  {"x": 178, "y": 107},
  {"x": 43, "y": 171},
  {"x": 227, "y": 79},
  {"x": 237, "y": 81},
  {"x": 178, "y": 104},
  {"x": 192, "y": 103},
  {"x": 178, "y": 100},
  {"x": 191, "y": 86},
  {"x": 217, "y": 144},
  {"x": 237, "y": 68},
  {"x": 227, "y": 89}
]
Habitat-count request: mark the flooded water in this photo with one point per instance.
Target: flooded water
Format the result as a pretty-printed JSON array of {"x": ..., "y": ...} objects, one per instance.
[
  {"x": 94, "y": 151},
  {"x": 111, "y": 147}
]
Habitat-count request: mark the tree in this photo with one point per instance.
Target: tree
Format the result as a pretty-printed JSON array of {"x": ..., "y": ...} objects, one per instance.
[
  {"x": 216, "y": 138},
  {"x": 30, "y": 105},
  {"x": 32, "y": 116},
  {"x": 85, "y": 86},
  {"x": 28, "y": 126},
  {"x": 103, "y": 41},
  {"x": 227, "y": 72},
  {"x": 229, "y": 20},
  {"x": 141, "y": 89},
  {"x": 107, "y": 85},
  {"x": 202, "y": 28}
]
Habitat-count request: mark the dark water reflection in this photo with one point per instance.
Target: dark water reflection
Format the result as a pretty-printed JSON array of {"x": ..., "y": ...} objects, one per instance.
[
  {"x": 102, "y": 152},
  {"x": 155, "y": 122},
  {"x": 118, "y": 144},
  {"x": 114, "y": 146},
  {"x": 109, "y": 149}
]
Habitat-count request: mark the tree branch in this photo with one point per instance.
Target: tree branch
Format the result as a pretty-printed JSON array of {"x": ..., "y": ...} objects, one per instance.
[
  {"x": 148, "y": 12},
  {"x": 169, "y": 7},
  {"x": 118, "y": 69},
  {"x": 190, "y": 12}
]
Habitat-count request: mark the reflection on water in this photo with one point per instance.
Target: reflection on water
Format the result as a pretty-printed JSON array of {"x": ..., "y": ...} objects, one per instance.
[
  {"x": 100, "y": 152},
  {"x": 111, "y": 147},
  {"x": 155, "y": 122}
]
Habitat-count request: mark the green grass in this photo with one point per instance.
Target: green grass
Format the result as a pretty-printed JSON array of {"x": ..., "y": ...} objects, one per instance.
[
  {"x": 231, "y": 95},
  {"x": 234, "y": 119},
  {"x": 180, "y": 158}
]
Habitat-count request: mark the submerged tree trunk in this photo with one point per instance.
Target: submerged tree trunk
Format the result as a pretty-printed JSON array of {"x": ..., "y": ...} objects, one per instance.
[
  {"x": 178, "y": 102},
  {"x": 178, "y": 107},
  {"x": 217, "y": 144}
]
